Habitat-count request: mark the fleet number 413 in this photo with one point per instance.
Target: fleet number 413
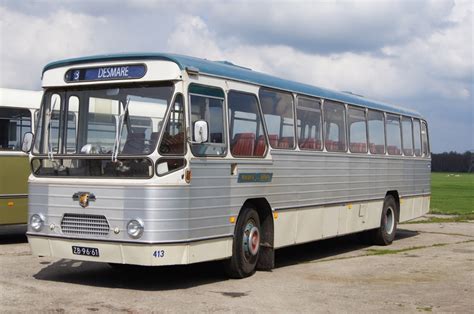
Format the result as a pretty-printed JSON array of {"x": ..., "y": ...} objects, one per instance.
[{"x": 159, "y": 253}]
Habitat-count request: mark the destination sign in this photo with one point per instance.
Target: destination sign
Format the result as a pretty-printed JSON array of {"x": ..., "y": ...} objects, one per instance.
[{"x": 106, "y": 73}]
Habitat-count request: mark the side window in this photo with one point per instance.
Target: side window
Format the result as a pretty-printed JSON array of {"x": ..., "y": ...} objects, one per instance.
[
  {"x": 173, "y": 140},
  {"x": 47, "y": 135},
  {"x": 334, "y": 127},
  {"x": 308, "y": 114},
  {"x": 207, "y": 103},
  {"x": 417, "y": 136},
  {"x": 393, "y": 135},
  {"x": 376, "y": 132},
  {"x": 245, "y": 126},
  {"x": 357, "y": 130},
  {"x": 14, "y": 123},
  {"x": 407, "y": 135},
  {"x": 425, "y": 145},
  {"x": 277, "y": 109}
]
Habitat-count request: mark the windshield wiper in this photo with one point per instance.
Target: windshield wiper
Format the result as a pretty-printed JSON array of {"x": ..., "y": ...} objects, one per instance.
[
  {"x": 50, "y": 147},
  {"x": 118, "y": 132}
]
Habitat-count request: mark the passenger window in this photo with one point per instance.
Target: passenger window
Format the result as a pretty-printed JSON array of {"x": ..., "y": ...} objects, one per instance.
[
  {"x": 393, "y": 135},
  {"x": 47, "y": 140},
  {"x": 277, "y": 109},
  {"x": 407, "y": 135},
  {"x": 173, "y": 141},
  {"x": 14, "y": 123},
  {"x": 357, "y": 130},
  {"x": 376, "y": 132},
  {"x": 425, "y": 140},
  {"x": 208, "y": 105},
  {"x": 308, "y": 113},
  {"x": 334, "y": 126},
  {"x": 245, "y": 126},
  {"x": 417, "y": 136}
]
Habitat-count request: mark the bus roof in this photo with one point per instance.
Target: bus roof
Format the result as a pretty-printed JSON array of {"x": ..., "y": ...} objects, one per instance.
[
  {"x": 11, "y": 97},
  {"x": 231, "y": 71}
]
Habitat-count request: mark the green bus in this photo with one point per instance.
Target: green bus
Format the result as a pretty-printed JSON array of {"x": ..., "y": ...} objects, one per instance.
[{"x": 17, "y": 116}]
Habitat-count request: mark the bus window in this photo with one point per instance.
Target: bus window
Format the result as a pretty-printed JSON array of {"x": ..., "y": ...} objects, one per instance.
[
  {"x": 357, "y": 130},
  {"x": 71, "y": 135},
  {"x": 173, "y": 141},
  {"x": 376, "y": 132},
  {"x": 407, "y": 135},
  {"x": 277, "y": 110},
  {"x": 14, "y": 123},
  {"x": 417, "y": 136},
  {"x": 425, "y": 145},
  {"x": 245, "y": 126},
  {"x": 393, "y": 135},
  {"x": 52, "y": 117},
  {"x": 101, "y": 125},
  {"x": 308, "y": 115},
  {"x": 334, "y": 127},
  {"x": 208, "y": 105}
]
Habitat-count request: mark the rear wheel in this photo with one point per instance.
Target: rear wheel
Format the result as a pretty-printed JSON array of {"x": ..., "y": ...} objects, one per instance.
[
  {"x": 246, "y": 245},
  {"x": 385, "y": 234}
]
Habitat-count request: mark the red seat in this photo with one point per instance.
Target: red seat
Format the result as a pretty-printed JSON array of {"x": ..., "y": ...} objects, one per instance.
[
  {"x": 358, "y": 147},
  {"x": 285, "y": 142},
  {"x": 273, "y": 138},
  {"x": 393, "y": 150},
  {"x": 310, "y": 144},
  {"x": 243, "y": 144},
  {"x": 260, "y": 149},
  {"x": 377, "y": 149}
]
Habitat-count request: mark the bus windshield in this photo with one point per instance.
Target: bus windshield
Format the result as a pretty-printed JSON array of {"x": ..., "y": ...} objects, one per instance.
[{"x": 123, "y": 120}]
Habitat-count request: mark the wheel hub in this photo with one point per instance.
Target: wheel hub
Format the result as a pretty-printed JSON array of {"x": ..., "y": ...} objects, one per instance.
[
  {"x": 251, "y": 241},
  {"x": 389, "y": 220}
]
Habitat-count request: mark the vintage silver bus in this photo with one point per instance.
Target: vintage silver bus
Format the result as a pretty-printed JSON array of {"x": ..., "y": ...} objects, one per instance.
[
  {"x": 17, "y": 111},
  {"x": 163, "y": 159}
]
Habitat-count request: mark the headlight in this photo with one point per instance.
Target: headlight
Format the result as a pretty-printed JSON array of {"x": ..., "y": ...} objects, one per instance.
[
  {"x": 135, "y": 228},
  {"x": 37, "y": 222}
]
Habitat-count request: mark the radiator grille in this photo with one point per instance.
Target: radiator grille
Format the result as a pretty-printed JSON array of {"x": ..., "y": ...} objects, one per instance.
[{"x": 95, "y": 225}]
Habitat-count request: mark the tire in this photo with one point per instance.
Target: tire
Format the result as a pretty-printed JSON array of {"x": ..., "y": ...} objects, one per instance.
[
  {"x": 385, "y": 234},
  {"x": 246, "y": 245}
]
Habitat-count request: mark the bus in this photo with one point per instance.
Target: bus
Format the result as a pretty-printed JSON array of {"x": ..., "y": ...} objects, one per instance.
[
  {"x": 165, "y": 159},
  {"x": 17, "y": 110}
]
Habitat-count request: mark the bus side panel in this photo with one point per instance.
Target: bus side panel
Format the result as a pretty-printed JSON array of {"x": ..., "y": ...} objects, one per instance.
[{"x": 14, "y": 172}]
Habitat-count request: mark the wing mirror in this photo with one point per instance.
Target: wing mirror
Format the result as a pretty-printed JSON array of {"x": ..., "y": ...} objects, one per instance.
[
  {"x": 27, "y": 143},
  {"x": 200, "y": 132}
]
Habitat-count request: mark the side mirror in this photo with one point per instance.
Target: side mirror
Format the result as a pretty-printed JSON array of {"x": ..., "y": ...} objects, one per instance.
[
  {"x": 27, "y": 142},
  {"x": 200, "y": 131}
]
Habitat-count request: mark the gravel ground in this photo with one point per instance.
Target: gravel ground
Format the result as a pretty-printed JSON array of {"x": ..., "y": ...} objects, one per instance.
[{"x": 430, "y": 268}]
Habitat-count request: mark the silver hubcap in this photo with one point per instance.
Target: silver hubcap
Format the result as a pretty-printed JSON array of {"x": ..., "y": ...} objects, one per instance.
[
  {"x": 251, "y": 241},
  {"x": 389, "y": 220}
]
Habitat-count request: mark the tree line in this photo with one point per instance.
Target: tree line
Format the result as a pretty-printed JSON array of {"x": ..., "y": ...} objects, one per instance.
[{"x": 452, "y": 162}]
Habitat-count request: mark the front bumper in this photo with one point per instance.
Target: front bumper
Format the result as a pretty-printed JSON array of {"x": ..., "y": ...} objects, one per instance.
[{"x": 134, "y": 253}]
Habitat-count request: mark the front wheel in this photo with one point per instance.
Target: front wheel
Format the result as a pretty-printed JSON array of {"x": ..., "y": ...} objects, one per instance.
[
  {"x": 385, "y": 234},
  {"x": 246, "y": 245}
]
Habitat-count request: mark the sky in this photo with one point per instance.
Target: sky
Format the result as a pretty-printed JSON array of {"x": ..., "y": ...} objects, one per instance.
[{"x": 412, "y": 53}]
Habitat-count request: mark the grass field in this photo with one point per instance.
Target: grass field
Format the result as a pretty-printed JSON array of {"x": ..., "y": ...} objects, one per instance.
[{"x": 452, "y": 193}]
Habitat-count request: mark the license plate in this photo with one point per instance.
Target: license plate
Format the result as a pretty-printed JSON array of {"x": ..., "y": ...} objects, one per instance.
[{"x": 87, "y": 251}]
